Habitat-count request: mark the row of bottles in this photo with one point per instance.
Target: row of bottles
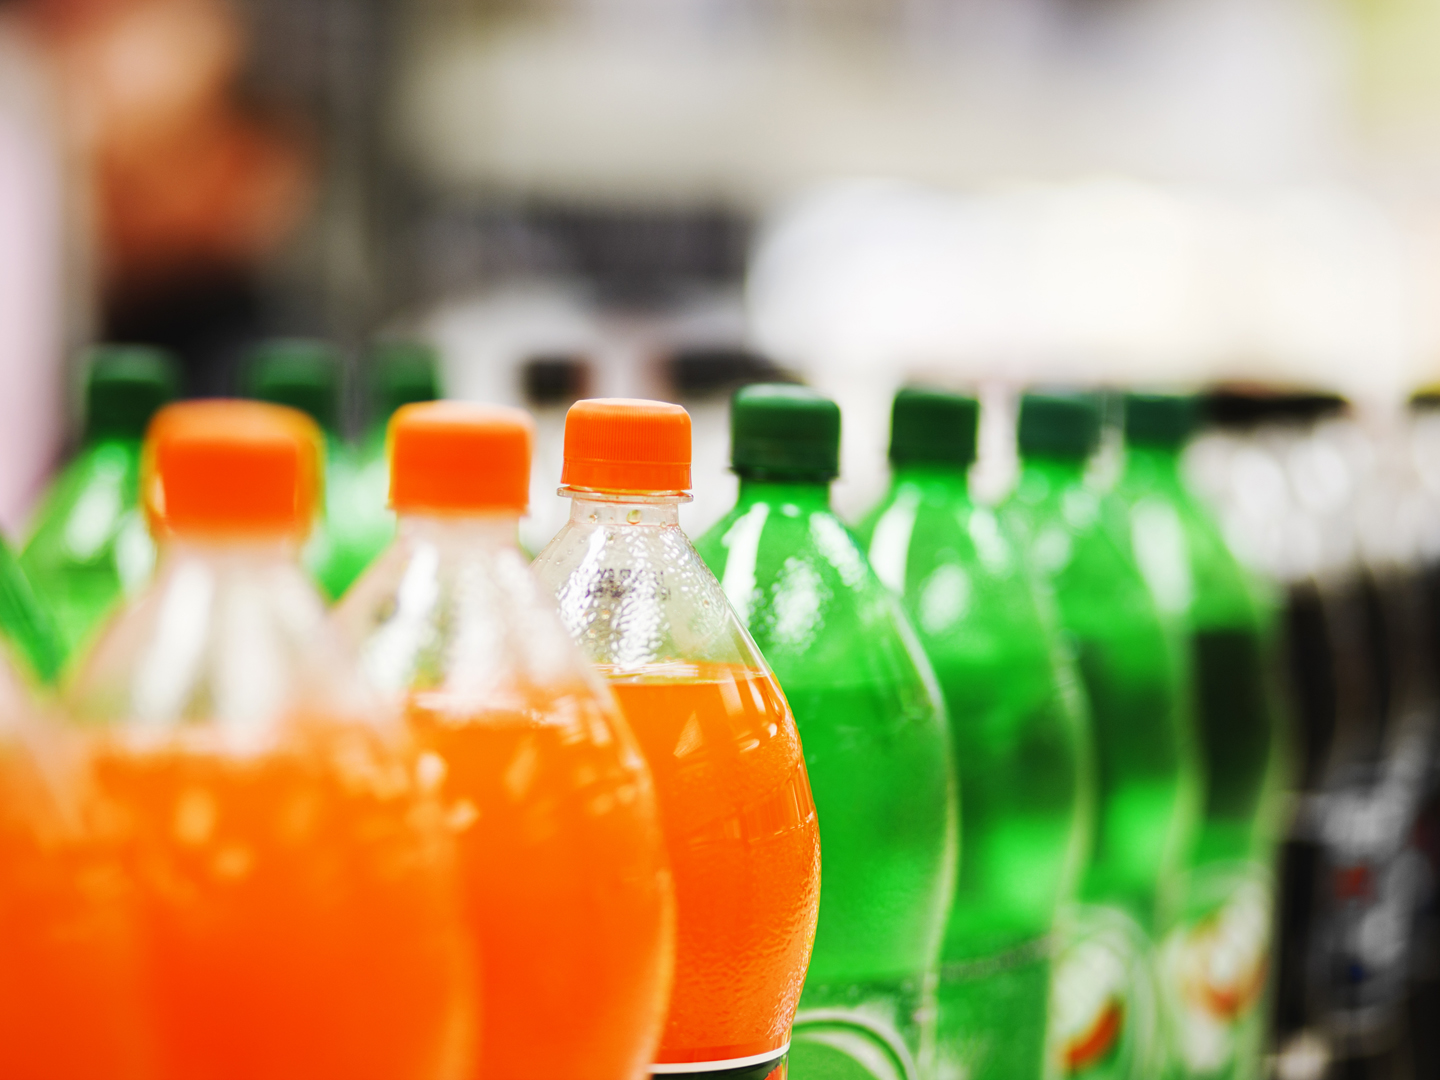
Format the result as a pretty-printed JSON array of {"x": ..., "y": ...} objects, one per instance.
[
  {"x": 1030, "y": 749},
  {"x": 89, "y": 546},
  {"x": 1341, "y": 510}
]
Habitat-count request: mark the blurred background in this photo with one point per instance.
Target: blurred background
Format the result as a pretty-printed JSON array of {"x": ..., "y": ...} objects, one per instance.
[
  {"x": 665, "y": 197},
  {"x": 670, "y": 198}
]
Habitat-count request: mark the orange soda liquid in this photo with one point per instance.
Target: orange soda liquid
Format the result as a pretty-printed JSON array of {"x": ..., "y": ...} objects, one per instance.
[
  {"x": 296, "y": 911},
  {"x": 568, "y": 903},
  {"x": 69, "y": 969},
  {"x": 744, "y": 848}
]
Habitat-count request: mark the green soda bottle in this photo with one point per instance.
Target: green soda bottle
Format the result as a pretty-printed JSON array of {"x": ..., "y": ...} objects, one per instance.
[
  {"x": 1017, "y": 729},
  {"x": 1104, "y": 1010},
  {"x": 1215, "y": 960},
  {"x": 90, "y": 545},
  {"x": 401, "y": 373},
  {"x": 873, "y": 726},
  {"x": 307, "y": 374},
  {"x": 26, "y": 622}
]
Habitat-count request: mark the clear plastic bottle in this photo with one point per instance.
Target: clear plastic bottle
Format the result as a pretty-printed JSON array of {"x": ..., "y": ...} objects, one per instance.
[
  {"x": 564, "y": 877},
  {"x": 292, "y": 878},
  {"x": 877, "y": 749},
  {"x": 710, "y": 717}
]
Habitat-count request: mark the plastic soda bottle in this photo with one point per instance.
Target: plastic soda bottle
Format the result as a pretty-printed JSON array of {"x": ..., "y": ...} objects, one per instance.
[
  {"x": 26, "y": 621},
  {"x": 735, "y": 801},
  {"x": 292, "y": 878},
  {"x": 566, "y": 889},
  {"x": 307, "y": 375},
  {"x": 70, "y": 976},
  {"x": 1017, "y": 728},
  {"x": 401, "y": 373},
  {"x": 874, "y": 730},
  {"x": 1104, "y": 1014},
  {"x": 1214, "y": 963},
  {"x": 89, "y": 546}
]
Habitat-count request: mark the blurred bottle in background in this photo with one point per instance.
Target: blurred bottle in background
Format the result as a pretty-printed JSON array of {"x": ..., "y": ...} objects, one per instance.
[
  {"x": 27, "y": 623},
  {"x": 550, "y": 384},
  {"x": 399, "y": 373},
  {"x": 873, "y": 725},
  {"x": 1104, "y": 1012},
  {"x": 296, "y": 909},
  {"x": 1017, "y": 728},
  {"x": 308, "y": 375},
  {"x": 1215, "y": 962},
  {"x": 1242, "y": 464},
  {"x": 735, "y": 801},
  {"x": 565, "y": 882},
  {"x": 1334, "y": 507},
  {"x": 90, "y": 545}
]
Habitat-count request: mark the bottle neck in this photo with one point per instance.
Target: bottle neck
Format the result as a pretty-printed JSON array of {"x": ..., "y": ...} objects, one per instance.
[
  {"x": 1046, "y": 477},
  {"x": 810, "y": 493},
  {"x": 948, "y": 478},
  {"x": 601, "y": 508},
  {"x": 1152, "y": 464},
  {"x": 498, "y": 529},
  {"x": 265, "y": 547},
  {"x": 1056, "y": 469}
]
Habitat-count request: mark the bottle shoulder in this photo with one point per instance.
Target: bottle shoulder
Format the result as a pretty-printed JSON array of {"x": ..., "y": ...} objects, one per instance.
[
  {"x": 1184, "y": 558},
  {"x": 802, "y": 585},
  {"x": 87, "y": 506},
  {"x": 227, "y": 651},
  {"x": 964, "y": 583},
  {"x": 470, "y": 621},
  {"x": 637, "y": 595}
]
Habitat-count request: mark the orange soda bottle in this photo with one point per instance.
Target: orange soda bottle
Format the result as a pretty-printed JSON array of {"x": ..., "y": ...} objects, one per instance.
[
  {"x": 293, "y": 881},
  {"x": 69, "y": 971},
  {"x": 735, "y": 799},
  {"x": 564, "y": 876}
]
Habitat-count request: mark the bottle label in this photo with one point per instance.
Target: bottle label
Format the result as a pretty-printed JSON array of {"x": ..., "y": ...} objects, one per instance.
[
  {"x": 685, "y": 1068},
  {"x": 1213, "y": 970},
  {"x": 1104, "y": 1008}
]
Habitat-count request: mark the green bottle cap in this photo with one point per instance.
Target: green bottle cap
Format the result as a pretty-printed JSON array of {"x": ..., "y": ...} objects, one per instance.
[
  {"x": 780, "y": 431},
  {"x": 301, "y": 373},
  {"x": 124, "y": 387},
  {"x": 404, "y": 372},
  {"x": 1059, "y": 424},
  {"x": 1160, "y": 420},
  {"x": 933, "y": 427}
]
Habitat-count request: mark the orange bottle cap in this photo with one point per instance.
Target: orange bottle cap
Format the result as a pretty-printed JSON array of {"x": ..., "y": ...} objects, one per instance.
[
  {"x": 232, "y": 468},
  {"x": 627, "y": 445},
  {"x": 457, "y": 457}
]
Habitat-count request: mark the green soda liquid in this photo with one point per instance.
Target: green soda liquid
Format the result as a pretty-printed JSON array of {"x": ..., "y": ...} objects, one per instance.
[
  {"x": 1018, "y": 735},
  {"x": 877, "y": 751},
  {"x": 90, "y": 544},
  {"x": 1215, "y": 960},
  {"x": 1145, "y": 780}
]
